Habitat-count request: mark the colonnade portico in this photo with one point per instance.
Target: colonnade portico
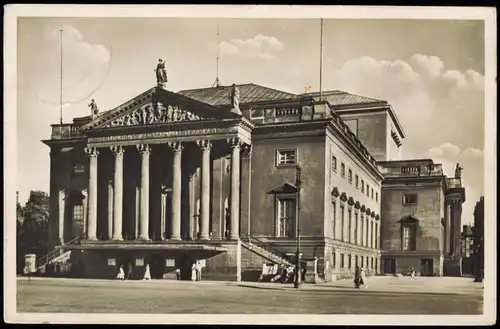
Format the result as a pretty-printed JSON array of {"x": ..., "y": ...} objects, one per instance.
[{"x": 144, "y": 150}]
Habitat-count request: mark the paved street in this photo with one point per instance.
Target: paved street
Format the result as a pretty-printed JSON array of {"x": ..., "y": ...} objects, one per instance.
[{"x": 384, "y": 295}]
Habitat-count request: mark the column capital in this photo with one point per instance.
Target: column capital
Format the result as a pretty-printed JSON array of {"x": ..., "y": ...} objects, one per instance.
[
  {"x": 246, "y": 150},
  {"x": 117, "y": 150},
  {"x": 176, "y": 146},
  {"x": 204, "y": 144},
  {"x": 91, "y": 151},
  {"x": 143, "y": 148},
  {"x": 234, "y": 142}
]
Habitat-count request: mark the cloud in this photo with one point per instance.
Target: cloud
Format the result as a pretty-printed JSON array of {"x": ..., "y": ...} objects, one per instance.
[
  {"x": 84, "y": 66},
  {"x": 472, "y": 160},
  {"x": 440, "y": 109},
  {"x": 260, "y": 46}
]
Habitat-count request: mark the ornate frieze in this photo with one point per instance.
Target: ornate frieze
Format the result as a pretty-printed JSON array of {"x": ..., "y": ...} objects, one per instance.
[{"x": 154, "y": 113}]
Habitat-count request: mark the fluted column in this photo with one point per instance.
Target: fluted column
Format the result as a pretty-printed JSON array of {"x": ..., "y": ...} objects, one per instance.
[
  {"x": 246, "y": 180},
  {"x": 205, "y": 147},
  {"x": 176, "y": 190},
  {"x": 62, "y": 208},
  {"x": 145, "y": 151},
  {"x": 235, "y": 189},
  {"x": 110, "y": 209},
  {"x": 92, "y": 193},
  {"x": 118, "y": 193}
]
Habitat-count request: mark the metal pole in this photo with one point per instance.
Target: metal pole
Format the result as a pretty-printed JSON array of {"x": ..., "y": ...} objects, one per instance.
[
  {"x": 298, "y": 279},
  {"x": 321, "y": 63},
  {"x": 61, "y": 82}
]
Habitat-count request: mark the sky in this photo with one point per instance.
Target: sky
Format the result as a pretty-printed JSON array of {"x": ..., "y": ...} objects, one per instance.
[{"x": 431, "y": 71}]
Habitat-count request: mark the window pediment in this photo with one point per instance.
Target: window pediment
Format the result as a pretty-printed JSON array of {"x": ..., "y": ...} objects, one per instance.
[
  {"x": 285, "y": 188},
  {"x": 409, "y": 220}
]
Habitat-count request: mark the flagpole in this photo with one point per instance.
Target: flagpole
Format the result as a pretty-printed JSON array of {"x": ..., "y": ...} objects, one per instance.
[
  {"x": 61, "y": 82},
  {"x": 321, "y": 62}
]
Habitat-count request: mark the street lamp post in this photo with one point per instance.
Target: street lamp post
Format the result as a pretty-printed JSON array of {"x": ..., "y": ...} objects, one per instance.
[{"x": 298, "y": 182}]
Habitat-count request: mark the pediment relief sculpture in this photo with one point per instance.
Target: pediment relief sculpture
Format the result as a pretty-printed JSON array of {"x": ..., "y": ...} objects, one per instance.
[{"x": 153, "y": 114}]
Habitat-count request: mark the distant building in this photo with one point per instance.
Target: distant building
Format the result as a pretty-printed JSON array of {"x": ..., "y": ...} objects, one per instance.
[
  {"x": 467, "y": 249},
  {"x": 421, "y": 215},
  {"x": 479, "y": 240}
]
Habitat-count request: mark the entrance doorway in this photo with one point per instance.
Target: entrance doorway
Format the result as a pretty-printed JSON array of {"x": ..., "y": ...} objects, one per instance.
[
  {"x": 390, "y": 266},
  {"x": 426, "y": 267}
]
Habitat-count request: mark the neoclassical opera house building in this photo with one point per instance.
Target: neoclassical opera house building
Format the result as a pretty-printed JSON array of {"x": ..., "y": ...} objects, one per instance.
[{"x": 168, "y": 179}]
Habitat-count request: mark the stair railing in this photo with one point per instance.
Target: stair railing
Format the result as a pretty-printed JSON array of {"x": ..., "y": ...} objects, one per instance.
[
  {"x": 266, "y": 246},
  {"x": 45, "y": 259}
]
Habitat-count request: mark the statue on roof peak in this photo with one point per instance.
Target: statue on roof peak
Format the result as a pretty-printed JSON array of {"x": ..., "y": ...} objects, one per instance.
[
  {"x": 161, "y": 73},
  {"x": 235, "y": 99},
  {"x": 458, "y": 171},
  {"x": 94, "y": 110}
]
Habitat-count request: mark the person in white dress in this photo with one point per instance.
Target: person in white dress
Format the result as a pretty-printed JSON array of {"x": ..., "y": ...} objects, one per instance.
[
  {"x": 121, "y": 274},
  {"x": 147, "y": 274},
  {"x": 193, "y": 272},
  {"x": 363, "y": 278}
]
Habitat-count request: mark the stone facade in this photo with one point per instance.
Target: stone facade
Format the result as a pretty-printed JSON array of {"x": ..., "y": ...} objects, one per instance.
[
  {"x": 420, "y": 212},
  {"x": 168, "y": 179}
]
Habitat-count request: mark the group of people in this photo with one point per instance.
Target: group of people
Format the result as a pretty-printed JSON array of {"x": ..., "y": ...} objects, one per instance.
[
  {"x": 121, "y": 273},
  {"x": 360, "y": 277}
]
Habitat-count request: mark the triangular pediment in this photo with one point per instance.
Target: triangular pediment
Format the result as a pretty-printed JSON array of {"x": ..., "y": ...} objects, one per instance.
[
  {"x": 158, "y": 106},
  {"x": 285, "y": 188}
]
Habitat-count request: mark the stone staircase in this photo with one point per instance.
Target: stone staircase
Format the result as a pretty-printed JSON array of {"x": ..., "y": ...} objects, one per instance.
[
  {"x": 265, "y": 251},
  {"x": 57, "y": 256}
]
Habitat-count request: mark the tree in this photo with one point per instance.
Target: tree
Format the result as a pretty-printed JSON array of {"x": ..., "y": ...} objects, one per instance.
[{"x": 33, "y": 226}]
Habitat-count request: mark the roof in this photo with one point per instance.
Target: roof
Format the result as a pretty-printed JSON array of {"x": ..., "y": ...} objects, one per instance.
[
  {"x": 340, "y": 98},
  {"x": 249, "y": 93}
]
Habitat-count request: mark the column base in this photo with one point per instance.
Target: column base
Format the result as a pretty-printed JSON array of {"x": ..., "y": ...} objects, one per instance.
[
  {"x": 234, "y": 237},
  {"x": 92, "y": 238},
  {"x": 117, "y": 238},
  {"x": 175, "y": 238},
  {"x": 144, "y": 238},
  {"x": 204, "y": 238}
]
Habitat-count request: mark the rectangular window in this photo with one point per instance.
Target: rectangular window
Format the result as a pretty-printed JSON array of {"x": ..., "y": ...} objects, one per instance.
[
  {"x": 362, "y": 186},
  {"x": 372, "y": 193},
  {"x": 342, "y": 263},
  {"x": 170, "y": 262},
  {"x": 349, "y": 177},
  {"x": 362, "y": 229},
  {"x": 286, "y": 157},
  {"x": 410, "y": 198},
  {"x": 356, "y": 240},
  {"x": 376, "y": 196},
  {"x": 409, "y": 240},
  {"x": 342, "y": 170},
  {"x": 334, "y": 259},
  {"x": 349, "y": 258},
  {"x": 78, "y": 218},
  {"x": 349, "y": 225},
  {"x": 371, "y": 235},
  {"x": 356, "y": 260},
  {"x": 286, "y": 217},
  {"x": 139, "y": 262},
  {"x": 111, "y": 262},
  {"x": 367, "y": 190},
  {"x": 361, "y": 261},
  {"x": 356, "y": 181},
  {"x": 334, "y": 163},
  {"x": 341, "y": 222},
  {"x": 371, "y": 262},
  {"x": 334, "y": 218}
]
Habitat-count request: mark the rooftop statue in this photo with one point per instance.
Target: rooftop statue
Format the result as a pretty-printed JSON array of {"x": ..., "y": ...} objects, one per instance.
[
  {"x": 235, "y": 99},
  {"x": 94, "y": 110},
  {"x": 458, "y": 171},
  {"x": 161, "y": 73}
]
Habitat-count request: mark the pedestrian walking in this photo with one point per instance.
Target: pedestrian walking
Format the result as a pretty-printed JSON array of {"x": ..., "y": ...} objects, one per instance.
[
  {"x": 147, "y": 273},
  {"x": 121, "y": 273},
  {"x": 193, "y": 272},
  {"x": 363, "y": 278},
  {"x": 412, "y": 273}
]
